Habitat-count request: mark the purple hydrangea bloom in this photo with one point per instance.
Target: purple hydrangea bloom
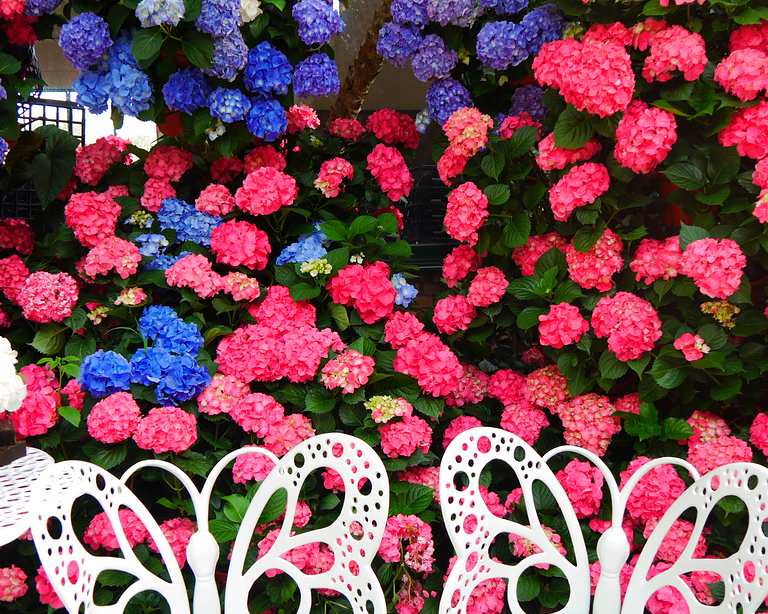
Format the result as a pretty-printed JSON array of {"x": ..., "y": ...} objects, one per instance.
[
  {"x": 433, "y": 60},
  {"x": 397, "y": 43},
  {"x": 528, "y": 99},
  {"x": 183, "y": 380},
  {"x": 92, "y": 91},
  {"x": 219, "y": 18},
  {"x": 316, "y": 76},
  {"x": 104, "y": 373},
  {"x": 505, "y": 7},
  {"x": 266, "y": 119},
  {"x": 423, "y": 120},
  {"x": 458, "y": 12},
  {"x": 543, "y": 24},
  {"x": 36, "y": 8},
  {"x": 130, "y": 90},
  {"x": 158, "y": 12},
  {"x": 85, "y": 40},
  {"x": 230, "y": 55},
  {"x": 4, "y": 147},
  {"x": 228, "y": 105},
  {"x": 501, "y": 43},
  {"x": 318, "y": 21},
  {"x": 409, "y": 11},
  {"x": 3, "y": 93},
  {"x": 444, "y": 97},
  {"x": 186, "y": 90},
  {"x": 268, "y": 71}
]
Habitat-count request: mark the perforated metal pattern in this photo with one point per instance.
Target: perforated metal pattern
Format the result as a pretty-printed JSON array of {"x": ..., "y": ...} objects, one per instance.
[{"x": 16, "y": 481}]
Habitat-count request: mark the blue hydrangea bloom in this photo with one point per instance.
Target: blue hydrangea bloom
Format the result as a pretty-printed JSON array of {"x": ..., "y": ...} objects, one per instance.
[
  {"x": 36, "y": 8},
  {"x": 189, "y": 223},
  {"x": 318, "y": 21},
  {"x": 501, "y": 44},
  {"x": 151, "y": 244},
  {"x": 306, "y": 248},
  {"x": 268, "y": 71},
  {"x": 3, "y": 93},
  {"x": 219, "y": 17},
  {"x": 316, "y": 76},
  {"x": 158, "y": 12},
  {"x": 155, "y": 320},
  {"x": 130, "y": 90},
  {"x": 104, "y": 373},
  {"x": 85, "y": 40},
  {"x": 4, "y": 147},
  {"x": 398, "y": 43},
  {"x": 543, "y": 24},
  {"x": 409, "y": 11},
  {"x": 505, "y": 7},
  {"x": 266, "y": 119},
  {"x": 91, "y": 88},
  {"x": 458, "y": 12},
  {"x": 433, "y": 60},
  {"x": 405, "y": 291},
  {"x": 186, "y": 90},
  {"x": 528, "y": 99},
  {"x": 228, "y": 105},
  {"x": 183, "y": 380},
  {"x": 423, "y": 120},
  {"x": 164, "y": 261},
  {"x": 120, "y": 53},
  {"x": 178, "y": 337},
  {"x": 230, "y": 54},
  {"x": 148, "y": 366},
  {"x": 444, "y": 97}
]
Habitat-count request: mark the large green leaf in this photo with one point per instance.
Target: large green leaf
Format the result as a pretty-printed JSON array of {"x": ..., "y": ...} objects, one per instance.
[
  {"x": 685, "y": 175},
  {"x": 52, "y": 168},
  {"x": 723, "y": 164},
  {"x": 146, "y": 44},
  {"x": 689, "y": 234},
  {"x": 573, "y": 129},
  {"x": 49, "y": 340},
  {"x": 517, "y": 231},
  {"x": 9, "y": 65},
  {"x": 198, "y": 48},
  {"x": 522, "y": 141}
]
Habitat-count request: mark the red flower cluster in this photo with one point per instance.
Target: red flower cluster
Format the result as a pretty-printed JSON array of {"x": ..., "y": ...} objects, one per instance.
[
  {"x": 458, "y": 264},
  {"x": 675, "y": 49},
  {"x": 265, "y": 191},
  {"x": 579, "y": 187},
  {"x": 630, "y": 323},
  {"x": 595, "y": 268},
  {"x": 168, "y": 162},
  {"x": 715, "y": 265},
  {"x": 488, "y": 287},
  {"x": 113, "y": 253},
  {"x": 347, "y": 128},
  {"x": 94, "y": 160},
  {"x": 46, "y": 297},
  {"x": 241, "y": 243},
  {"x": 551, "y": 157},
  {"x": 300, "y": 117},
  {"x": 467, "y": 130},
  {"x": 332, "y": 173},
  {"x": 561, "y": 325},
  {"x": 453, "y": 313},
  {"x": 467, "y": 210},
  {"x": 393, "y": 127},
  {"x": 644, "y": 137},
  {"x": 18, "y": 235},
  {"x": 366, "y": 288},
  {"x": 92, "y": 217},
  {"x": 225, "y": 170},
  {"x": 526, "y": 256},
  {"x": 261, "y": 156},
  {"x": 390, "y": 171},
  {"x": 215, "y": 199},
  {"x": 748, "y": 130},
  {"x": 657, "y": 260}
]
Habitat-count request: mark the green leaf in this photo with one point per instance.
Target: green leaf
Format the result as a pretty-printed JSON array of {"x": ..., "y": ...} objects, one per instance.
[
  {"x": 497, "y": 193},
  {"x": 106, "y": 458},
  {"x": 338, "y": 258},
  {"x": 689, "y": 234},
  {"x": 638, "y": 365},
  {"x": 730, "y": 387},
  {"x": 529, "y": 317},
  {"x": 192, "y": 9},
  {"x": 320, "y": 401},
  {"x": 517, "y": 231},
  {"x": 77, "y": 320},
  {"x": 70, "y": 414},
  {"x": 198, "y": 48},
  {"x": 52, "y": 168},
  {"x": 146, "y": 44},
  {"x": 339, "y": 314},
  {"x": 667, "y": 374},
  {"x": 675, "y": 428},
  {"x": 400, "y": 250},
  {"x": 335, "y": 230},
  {"x": 573, "y": 129},
  {"x": 493, "y": 163},
  {"x": 653, "y": 7},
  {"x": 285, "y": 275},
  {"x": 388, "y": 223},
  {"x": 80, "y": 346},
  {"x": 552, "y": 258},
  {"x": 533, "y": 195},
  {"x": 223, "y": 530},
  {"x": 203, "y": 121},
  {"x": 751, "y": 16},
  {"x": 303, "y": 291},
  {"x": 522, "y": 141},
  {"x": 610, "y": 366},
  {"x": 414, "y": 500},
  {"x": 685, "y": 175},
  {"x": 429, "y": 406},
  {"x": 274, "y": 507},
  {"x": 9, "y": 65},
  {"x": 528, "y": 588},
  {"x": 750, "y": 322},
  {"x": 524, "y": 288},
  {"x": 717, "y": 198},
  {"x": 723, "y": 164},
  {"x": 49, "y": 340},
  {"x": 585, "y": 238},
  {"x": 363, "y": 345},
  {"x": 362, "y": 224}
]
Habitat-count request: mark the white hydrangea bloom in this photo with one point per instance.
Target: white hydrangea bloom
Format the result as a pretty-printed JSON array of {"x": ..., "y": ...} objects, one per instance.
[
  {"x": 12, "y": 386},
  {"x": 250, "y": 10}
]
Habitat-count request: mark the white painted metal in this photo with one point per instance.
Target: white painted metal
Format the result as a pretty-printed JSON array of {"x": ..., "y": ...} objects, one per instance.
[{"x": 16, "y": 481}]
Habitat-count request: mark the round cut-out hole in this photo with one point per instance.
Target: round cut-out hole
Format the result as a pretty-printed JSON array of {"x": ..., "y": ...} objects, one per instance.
[
  {"x": 298, "y": 460},
  {"x": 354, "y": 568},
  {"x": 749, "y": 571},
  {"x": 338, "y": 450},
  {"x": 356, "y": 530},
  {"x": 484, "y": 444},
  {"x": 470, "y": 524}
]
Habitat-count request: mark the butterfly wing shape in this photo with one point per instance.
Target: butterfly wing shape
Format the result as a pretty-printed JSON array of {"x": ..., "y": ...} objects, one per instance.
[
  {"x": 70, "y": 567},
  {"x": 464, "y": 508}
]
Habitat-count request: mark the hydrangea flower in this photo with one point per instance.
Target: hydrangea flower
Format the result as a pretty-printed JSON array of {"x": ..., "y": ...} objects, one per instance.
[
  {"x": 561, "y": 325},
  {"x": 160, "y": 12},
  {"x": 104, "y": 373},
  {"x": 551, "y": 157},
  {"x": 318, "y": 21},
  {"x": 317, "y": 75},
  {"x": 85, "y": 40},
  {"x": 444, "y": 97},
  {"x": 186, "y": 90},
  {"x": 13, "y": 583},
  {"x": 184, "y": 379},
  {"x": 267, "y": 72},
  {"x": 230, "y": 55},
  {"x": 501, "y": 44},
  {"x": 45, "y": 297},
  {"x": 466, "y": 211},
  {"x": 130, "y": 90},
  {"x": 114, "y": 419},
  {"x": 92, "y": 90},
  {"x": 644, "y": 137},
  {"x": 630, "y": 323},
  {"x": 219, "y": 18},
  {"x": 189, "y": 223},
  {"x": 228, "y": 105},
  {"x": 409, "y": 12},
  {"x": 579, "y": 187},
  {"x": 151, "y": 244},
  {"x": 398, "y": 43},
  {"x": 505, "y": 7},
  {"x": 453, "y": 313},
  {"x": 528, "y": 99},
  {"x": 405, "y": 291},
  {"x": 308, "y": 247},
  {"x": 37, "y": 8},
  {"x": 4, "y": 148},
  {"x": 692, "y": 346},
  {"x": 458, "y": 12},
  {"x": 266, "y": 119},
  {"x": 715, "y": 266},
  {"x": 166, "y": 429}
]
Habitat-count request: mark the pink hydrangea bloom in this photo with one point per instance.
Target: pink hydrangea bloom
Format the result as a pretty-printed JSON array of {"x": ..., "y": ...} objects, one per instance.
[
  {"x": 759, "y": 176},
  {"x": 332, "y": 173},
  {"x": 194, "y": 271},
  {"x": 644, "y": 137},
  {"x": 616, "y": 33},
  {"x": 523, "y": 548},
  {"x": 225, "y": 170},
  {"x": 115, "y": 254},
  {"x": 166, "y": 429},
  {"x": 561, "y": 325},
  {"x": 630, "y": 323},
  {"x": 178, "y": 532},
  {"x": 348, "y": 371},
  {"x": 13, "y": 583},
  {"x": 655, "y": 492},
  {"x": 92, "y": 217},
  {"x": 596, "y": 76},
  {"x": 46, "y": 297},
  {"x": 488, "y": 597},
  {"x": 347, "y": 128},
  {"x": 300, "y": 117},
  {"x": 513, "y": 123},
  {"x": 116, "y": 191},
  {"x": 5, "y": 319},
  {"x": 451, "y": 164},
  {"x": 579, "y": 187},
  {"x": 410, "y": 597},
  {"x": 37, "y": 413},
  {"x": 215, "y": 199},
  {"x": 388, "y": 167},
  {"x": 467, "y": 210},
  {"x": 713, "y": 453},
  {"x": 526, "y": 256},
  {"x": 241, "y": 287},
  {"x": 507, "y": 385},
  {"x": 595, "y": 267},
  {"x": 758, "y": 432},
  {"x": 251, "y": 467},
  {"x": 589, "y": 422},
  {"x": 168, "y": 162},
  {"x": 761, "y": 206},
  {"x": 668, "y": 599},
  {"x": 743, "y": 73},
  {"x": 402, "y": 327},
  {"x": 94, "y": 160},
  {"x": 432, "y": 363},
  {"x": 748, "y": 130},
  {"x": 472, "y": 387},
  {"x": 453, "y": 313},
  {"x": 101, "y": 534},
  {"x": 393, "y": 127},
  {"x": 657, "y": 260},
  {"x": 488, "y": 287},
  {"x": 547, "y": 387},
  {"x": 692, "y": 346},
  {"x": 263, "y": 156},
  {"x": 417, "y": 536},
  {"x": 265, "y": 191},
  {"x": 383, "y": 408},
  {"x": 601, "y": 526},
  {"x": 458, "y": 264},
  {"x": 13, "y": 274},
  {"x": 551, "y": 157},
  {"x": 524, "y": 420},
  {"x": 752, "y": 36},
  {"x": 458, "y": 426},
  {"x": 221, "y": 394},
  {"x": 402, "y": 438},
  {"x": 368, "y": 289},
  {"x": 629, "y": 403},
  {"x": 18, "y": 235},
  {"x": 676, "y": 540},
  {"x": 583, "y": 483},
  {"x": 706, "y": 427},
  {"x": 289, "y": 432},
  {"x": 75, "y": 395},
  {"x": 45, "y": 590},
  {"x": 715, "y": 266},
  {"x": 467, "y": 130},
  {"x": 114, "y": 419},
  {"x": 155, "y": 192},
  {"x": 241, "y": 243},
  {"x": 426, "y": 476},
  {"x": 131, "y": 297},
  {"x": 675, "y": 49},
  {"x": 256, "y": 413}
]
